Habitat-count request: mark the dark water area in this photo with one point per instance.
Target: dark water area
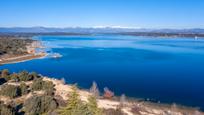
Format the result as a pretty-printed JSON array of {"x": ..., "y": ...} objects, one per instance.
[{"x": 167, "y": 70}]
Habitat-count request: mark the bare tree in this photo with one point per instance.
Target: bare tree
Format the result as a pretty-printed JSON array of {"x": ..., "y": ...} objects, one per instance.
[
  {"x": 94, "y": 90},
  {"x": 108, "y": 93},
  {"x": 122, "y": 100},
  {"x": 63, "y": 81}
]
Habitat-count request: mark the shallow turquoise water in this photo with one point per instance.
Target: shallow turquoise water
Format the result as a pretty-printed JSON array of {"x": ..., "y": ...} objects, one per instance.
[{"x": 166, "y": 70}]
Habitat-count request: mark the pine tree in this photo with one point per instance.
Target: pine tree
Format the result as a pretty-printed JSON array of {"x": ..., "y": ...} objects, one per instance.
[
  {"x": 74, "y": 104},
  {"x": 93, "y": 107}
]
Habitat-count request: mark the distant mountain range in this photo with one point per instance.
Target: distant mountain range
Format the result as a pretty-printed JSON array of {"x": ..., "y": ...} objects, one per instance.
[{"x": 96, "y": 30}]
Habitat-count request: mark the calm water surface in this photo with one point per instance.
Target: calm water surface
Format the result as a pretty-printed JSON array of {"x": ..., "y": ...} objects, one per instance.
[{"x": 166, "y": 70}]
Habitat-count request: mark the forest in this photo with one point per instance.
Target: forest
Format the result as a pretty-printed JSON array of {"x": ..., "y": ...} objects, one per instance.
[{"x": 13, "y": 45}]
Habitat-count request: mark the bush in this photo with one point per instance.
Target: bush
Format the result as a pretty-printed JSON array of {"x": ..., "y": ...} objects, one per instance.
[
  {"x": 5, "y": 74},
  {"x": 48, "y": 86},
  {"x": 38, "y": 105},
  {"x": 10, "y": 91},
  {"x": 6, "y": 110},
  {"x": 34, "y": 75},
  {"x": 39, "y": 84},
  {"x": 24, "y": 76},
  {"x": 14, "y": 77},
  {"x": 108, "y": 93},
  {"x": 24, "y": 89},
  {"x": 93, "y": 107}
]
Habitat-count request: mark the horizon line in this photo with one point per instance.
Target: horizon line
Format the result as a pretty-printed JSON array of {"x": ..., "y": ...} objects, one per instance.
[{"x": 103, "y": 27}]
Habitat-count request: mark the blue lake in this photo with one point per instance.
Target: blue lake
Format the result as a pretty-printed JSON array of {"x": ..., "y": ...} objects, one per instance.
[{"x": 166, "y": 70}]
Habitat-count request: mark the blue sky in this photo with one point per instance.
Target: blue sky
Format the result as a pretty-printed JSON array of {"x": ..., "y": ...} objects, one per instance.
[{"x": 89, "y": 13}]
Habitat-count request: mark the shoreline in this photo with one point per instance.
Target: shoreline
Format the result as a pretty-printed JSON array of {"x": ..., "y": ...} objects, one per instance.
[
  {"x": 29, "y": 55},
  {"x": 145, "y": 107},
  {"x": 64, "y": 90},
  {"x": 22, "y": 58}
]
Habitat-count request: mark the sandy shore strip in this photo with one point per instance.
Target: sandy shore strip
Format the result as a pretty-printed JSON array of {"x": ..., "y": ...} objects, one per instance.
[
  {"x": 142, "y": 107},
  {"x": 22, "y": 58}
]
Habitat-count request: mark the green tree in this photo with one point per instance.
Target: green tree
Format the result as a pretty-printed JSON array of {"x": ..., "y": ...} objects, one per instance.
[
  {"x": 93, "y": 107},
  {"x": 75, "y": 105}
]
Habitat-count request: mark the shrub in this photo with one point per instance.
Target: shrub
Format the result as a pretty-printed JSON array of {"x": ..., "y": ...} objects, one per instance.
[
  {"x": 48, "y": 86},
  {"x": 108, "y": 93},
  {"x": 6, "y": 110},
  {"x": 93, "y": 107},
  {"x": 14, "y": 77},
  {"x": 39, "y": 84},
  {"x": 24, "y": 76},
  {"x": 5, "y": 74},
  {"x": 10, "y": 91},
  {"x": 24, "y": 89},
  {"x": 38, "y": 105},
  {"x": 34, "y": 75}
]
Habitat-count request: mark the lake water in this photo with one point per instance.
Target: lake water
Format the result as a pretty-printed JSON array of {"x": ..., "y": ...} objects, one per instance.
[{"x": 166, "y": 70}]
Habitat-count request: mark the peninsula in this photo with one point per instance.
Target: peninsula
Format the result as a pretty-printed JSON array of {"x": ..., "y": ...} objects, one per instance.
[{"x": 15, "y": 49}]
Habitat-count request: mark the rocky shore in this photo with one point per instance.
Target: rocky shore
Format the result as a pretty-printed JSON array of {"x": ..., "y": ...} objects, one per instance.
[{"x": 130, "y": 107}]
